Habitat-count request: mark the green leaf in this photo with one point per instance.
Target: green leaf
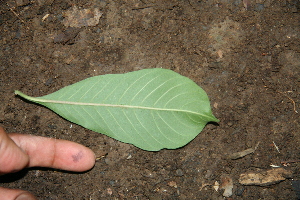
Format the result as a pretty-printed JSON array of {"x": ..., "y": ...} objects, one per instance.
[{"x": 151, "y": 108}]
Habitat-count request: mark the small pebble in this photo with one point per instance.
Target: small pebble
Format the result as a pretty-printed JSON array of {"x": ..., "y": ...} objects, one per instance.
[
  {"x": 112, "y": 182},
  {"x": 208, "y": 174},
  {"x": 239, "y": 191},
  {"x": 296, "y": 188},
  {"x": 179, "y": 172},
  {"x": 149, "y": 174},
  {"x": 259, "y": 7},
  {"x": 52, "y": 126},
  {"x": 109, "y": 191},
  {"x": 49, "y": 82}
]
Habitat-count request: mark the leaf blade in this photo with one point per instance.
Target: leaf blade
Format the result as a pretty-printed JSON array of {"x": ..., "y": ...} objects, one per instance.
[{"x": 151, "y": 108}]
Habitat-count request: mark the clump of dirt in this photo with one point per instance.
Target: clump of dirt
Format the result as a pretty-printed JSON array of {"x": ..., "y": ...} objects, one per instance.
[
  {"x": 244, "y": 54},
  {"x": 225, "y": 36}
]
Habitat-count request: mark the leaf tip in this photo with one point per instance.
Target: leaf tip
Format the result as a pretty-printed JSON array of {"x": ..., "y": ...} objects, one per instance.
[
  {"x": 214, "y": 119},
  {"x": 217, "y": 120},
  {"x": 17, "y": 92}
]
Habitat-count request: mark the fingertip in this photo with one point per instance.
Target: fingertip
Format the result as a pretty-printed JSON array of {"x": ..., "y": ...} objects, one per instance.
[
  {"x": 26, "y": 196},
  {"x": 91, "y": 159},
  {"x": 72, "y": 156},
  {"x": 15, "y": 194}
]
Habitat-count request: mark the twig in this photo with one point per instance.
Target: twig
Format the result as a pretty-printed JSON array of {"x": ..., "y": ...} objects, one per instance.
[
  {"x": 143, "y": 7},
  {"x": 283, "y": 93},
  {"x": 204, "y": 185},
  {"x": 285, "y": 163},
  {"x": 276, "y": 147},
  {"x": 16, "y": 14},
  {"x": 294, "y": 104}
]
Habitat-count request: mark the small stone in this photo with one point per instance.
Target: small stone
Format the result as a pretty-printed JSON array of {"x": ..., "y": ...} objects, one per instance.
[
  {"x": 112, "y": 182},
  {"x": 259, "y": 7},
  {"x": 109, "y": 191},
  {"x": 67, "y": 37},
  {"x": 296, "y": 188},
  {"x": 149, "y": 174},
  {"x": 49, "y": 82},
  {"x": 172, "y": 184},
  {"x": 179, "y": 172},
  {"x": 239, "y": 191},
  {"x": 208, "y": 174}
]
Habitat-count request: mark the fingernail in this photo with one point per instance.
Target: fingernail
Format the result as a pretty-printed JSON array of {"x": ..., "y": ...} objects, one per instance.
[{"x": 26, "y": 196}]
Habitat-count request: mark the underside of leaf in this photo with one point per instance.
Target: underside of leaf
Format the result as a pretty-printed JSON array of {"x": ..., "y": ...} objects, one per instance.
[{"x": 151, "y": 108}]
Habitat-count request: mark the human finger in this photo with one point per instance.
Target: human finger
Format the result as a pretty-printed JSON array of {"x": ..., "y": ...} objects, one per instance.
[
  {"x": 12, "y": 158},
  {"x": 55, "y": 153},
  {"x": 15, "y": 194}
]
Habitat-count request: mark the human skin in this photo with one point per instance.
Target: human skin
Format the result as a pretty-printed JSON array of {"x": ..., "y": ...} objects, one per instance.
[{"x": 18, "y": 151}]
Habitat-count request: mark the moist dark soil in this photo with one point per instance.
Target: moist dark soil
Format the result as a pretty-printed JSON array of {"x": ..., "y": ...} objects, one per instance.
[{"x": 244, "y": 54}]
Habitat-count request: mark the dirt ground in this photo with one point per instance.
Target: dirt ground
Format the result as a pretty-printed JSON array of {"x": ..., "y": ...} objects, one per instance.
[{"x": 244, "y": 53}]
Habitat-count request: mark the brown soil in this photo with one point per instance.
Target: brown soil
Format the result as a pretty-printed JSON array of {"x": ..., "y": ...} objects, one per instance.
[{"x": 244, "y": 54}]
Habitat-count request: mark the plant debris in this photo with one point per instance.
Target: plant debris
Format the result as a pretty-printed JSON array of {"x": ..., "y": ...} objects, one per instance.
[
  {"x": 75, "y": 17},
  {"x": 241, "y": 154},
  {"x": 265, "y": 177}
]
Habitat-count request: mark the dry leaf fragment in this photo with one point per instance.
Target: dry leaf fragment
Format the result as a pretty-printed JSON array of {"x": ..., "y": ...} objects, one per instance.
[
  {"x": 227, "y": 185},
  {"x": 75, "y": 17},
  {"x": 241, "y": 154},
  {"x": 216, "y": 186},
  {"x": 264, "y": 177}
]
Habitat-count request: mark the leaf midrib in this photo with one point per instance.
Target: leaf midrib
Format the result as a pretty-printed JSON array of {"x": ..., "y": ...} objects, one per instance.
[{"x": 104, "y": 105}]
